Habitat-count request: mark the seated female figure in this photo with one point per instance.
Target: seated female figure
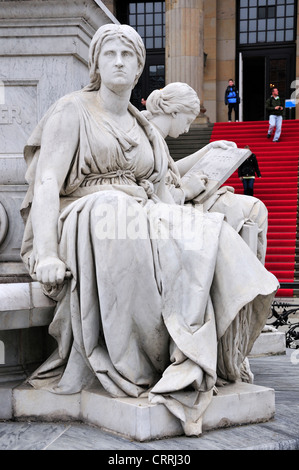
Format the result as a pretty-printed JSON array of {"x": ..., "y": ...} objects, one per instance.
[
  {"x": 150, "y": 308},
  {"x": 172, "y": 110}
]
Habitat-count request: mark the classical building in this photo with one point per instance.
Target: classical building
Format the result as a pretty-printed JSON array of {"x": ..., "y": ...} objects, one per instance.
[{"x": 207, "y": 42}]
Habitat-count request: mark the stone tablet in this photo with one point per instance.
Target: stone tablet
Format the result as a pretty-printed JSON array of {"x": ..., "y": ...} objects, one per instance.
[{"x": 218, "y": 165}]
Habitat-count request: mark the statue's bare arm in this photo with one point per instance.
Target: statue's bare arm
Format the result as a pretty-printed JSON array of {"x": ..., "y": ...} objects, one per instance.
[{"x": 58, "y": 146}]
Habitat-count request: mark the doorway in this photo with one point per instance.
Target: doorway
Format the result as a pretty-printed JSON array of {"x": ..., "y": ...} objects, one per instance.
[
  {"x": 254, "y": 88},
  {"x": 262, "y": 70},
  {"x": 152, "y": 78}
]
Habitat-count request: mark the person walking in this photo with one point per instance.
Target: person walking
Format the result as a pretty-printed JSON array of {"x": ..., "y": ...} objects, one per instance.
[
  {"x": 232, "y": 100},
  {"x": 274, "y": 106},
  {"x": 247, "y": 172}
]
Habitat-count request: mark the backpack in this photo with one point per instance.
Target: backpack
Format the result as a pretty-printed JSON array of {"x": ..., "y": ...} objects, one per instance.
[{"x": 231, "y": 95}]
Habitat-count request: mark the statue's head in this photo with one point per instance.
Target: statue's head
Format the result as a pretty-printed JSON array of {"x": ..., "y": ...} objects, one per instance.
[
  {"x": 108, "y": 32},
  {"x": 177, "y": 104},
  {"x": 174, "y": 98}
]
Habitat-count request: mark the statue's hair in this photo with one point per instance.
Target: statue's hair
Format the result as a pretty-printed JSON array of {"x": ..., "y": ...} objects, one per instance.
[
  {"x": 173, "y": 98},
  {"x": 127, "y": 35}
]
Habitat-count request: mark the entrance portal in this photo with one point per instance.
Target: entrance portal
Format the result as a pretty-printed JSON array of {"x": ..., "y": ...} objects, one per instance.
[
  {"x": 254, "y": 88},
  {"x": 264, "y": 69}
]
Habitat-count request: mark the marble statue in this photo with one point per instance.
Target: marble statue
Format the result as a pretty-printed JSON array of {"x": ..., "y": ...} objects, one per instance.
[
  {"x": 154, "y": 298},
  {"x": 171, "y": 110}
]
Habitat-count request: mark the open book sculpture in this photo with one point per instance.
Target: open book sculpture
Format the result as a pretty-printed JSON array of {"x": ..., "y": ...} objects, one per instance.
[
  {"x": 198, "y": 178},
  {"x": 218, "y": 165}
]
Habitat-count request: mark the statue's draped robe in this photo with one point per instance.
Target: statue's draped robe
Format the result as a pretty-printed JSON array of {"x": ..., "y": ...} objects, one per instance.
[{"x": 163, "y": 297}]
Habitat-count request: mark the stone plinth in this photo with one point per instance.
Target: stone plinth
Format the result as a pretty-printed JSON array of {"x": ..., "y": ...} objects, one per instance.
[
  {"x": 236, "y": 404},
  {"x": 25, "y": 309},
  {"x": 269, "y": 344}
]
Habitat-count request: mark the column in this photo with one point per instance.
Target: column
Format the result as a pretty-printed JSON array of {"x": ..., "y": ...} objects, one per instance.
[{"x": 184, "y": 44}]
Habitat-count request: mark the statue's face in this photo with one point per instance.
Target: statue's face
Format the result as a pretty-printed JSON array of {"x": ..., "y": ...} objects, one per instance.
[
  {"x": 180, "y": 124},
  {"x": 117, "y": 65}
]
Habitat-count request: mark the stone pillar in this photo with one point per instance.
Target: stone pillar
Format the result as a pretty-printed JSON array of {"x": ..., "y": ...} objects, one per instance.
[
  {"x": 184, "y": 45},
  {"x": 226, "y": 52},
  {"x": 210, "y": 69},
  {"x": 43, "y": 56}
]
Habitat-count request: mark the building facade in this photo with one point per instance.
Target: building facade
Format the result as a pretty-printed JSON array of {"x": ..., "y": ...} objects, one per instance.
[{"x": 207, "y": 42}]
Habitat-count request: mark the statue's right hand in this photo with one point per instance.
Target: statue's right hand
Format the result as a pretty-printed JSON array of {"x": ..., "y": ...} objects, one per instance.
[
  {"x": 193, "y": 184},
  {"x": 51, "y": 270}
]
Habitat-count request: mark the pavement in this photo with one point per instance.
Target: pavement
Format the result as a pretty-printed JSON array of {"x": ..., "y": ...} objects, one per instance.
[{"x": 279, "y": 372}]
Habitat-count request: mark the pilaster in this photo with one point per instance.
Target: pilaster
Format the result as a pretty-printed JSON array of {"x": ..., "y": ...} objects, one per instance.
[{"x": 184, "y": 44}]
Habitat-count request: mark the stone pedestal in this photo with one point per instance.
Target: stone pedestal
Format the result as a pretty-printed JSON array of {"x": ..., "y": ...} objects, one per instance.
[
  {"x": 136, "y": 419},
  {"x": 44, "y": 55},
  {"x": 24, "y": 315}
]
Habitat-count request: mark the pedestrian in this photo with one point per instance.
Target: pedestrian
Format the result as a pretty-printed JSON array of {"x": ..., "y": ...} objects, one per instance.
[
  {"x": 274, "y": 106},
  {"x": 232, "y": 99},
  {"x": 247, "y": 172}
]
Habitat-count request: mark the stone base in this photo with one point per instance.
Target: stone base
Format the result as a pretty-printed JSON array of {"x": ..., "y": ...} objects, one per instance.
[
  {"x": 269, "y": 344},
  {"x": 202, "y": 119},
  {"x": 236, "y": 404}
]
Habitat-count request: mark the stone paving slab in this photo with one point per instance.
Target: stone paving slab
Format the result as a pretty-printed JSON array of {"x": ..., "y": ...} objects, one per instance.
[{"x": 280, "y": 433}]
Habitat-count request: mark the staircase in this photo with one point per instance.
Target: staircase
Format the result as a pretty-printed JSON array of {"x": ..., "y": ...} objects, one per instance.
[
  {"x": 278, "y": 189},
  {"x": 186, "y": 144}
]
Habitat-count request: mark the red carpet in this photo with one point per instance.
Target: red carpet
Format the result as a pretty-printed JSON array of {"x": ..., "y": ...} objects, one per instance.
[{"x": 278, "y": 188}]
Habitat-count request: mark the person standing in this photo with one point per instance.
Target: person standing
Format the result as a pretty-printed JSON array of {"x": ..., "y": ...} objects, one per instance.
[
  {"x": 247, "y": 172},
  {"x": 232, "y": 99},
  {"x": 275, "y": 110}
]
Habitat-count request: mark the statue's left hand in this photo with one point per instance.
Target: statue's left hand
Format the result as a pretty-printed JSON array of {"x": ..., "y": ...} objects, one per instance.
[{"x": 223, "y": 144}]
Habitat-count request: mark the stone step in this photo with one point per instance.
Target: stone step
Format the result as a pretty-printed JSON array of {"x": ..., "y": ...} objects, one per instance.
[{"x": 186, "y": 144}]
